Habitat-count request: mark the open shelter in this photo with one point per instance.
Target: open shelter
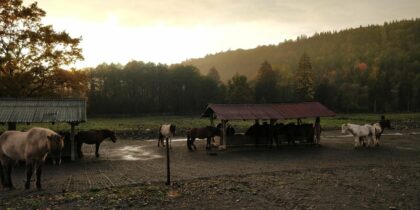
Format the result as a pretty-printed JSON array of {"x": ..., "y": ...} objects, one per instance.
[
  {"x": 271, "y": 112},
  {"x": 18, "y": 110}
]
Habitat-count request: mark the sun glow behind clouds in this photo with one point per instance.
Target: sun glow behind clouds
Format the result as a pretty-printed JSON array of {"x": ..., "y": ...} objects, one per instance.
[
  {"x": 111, "y": 41},
  {"x": 171, "y": 31}
]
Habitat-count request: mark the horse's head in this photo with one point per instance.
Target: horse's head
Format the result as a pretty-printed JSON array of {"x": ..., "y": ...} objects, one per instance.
[
  {"x": 344, "y": 128},
  {"x": 172, "y": 128},
  {"x": 377, "y": 127},
  {"x": 55, "y": 146},
  {"x": 111, "y": 135}
]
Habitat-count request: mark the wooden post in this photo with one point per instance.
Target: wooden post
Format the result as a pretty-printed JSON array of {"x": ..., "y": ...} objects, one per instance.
[
  {"x": 224, "y": 139},
  {"x": 168, "y": 164},
  {"x": 72, "y": 142},
  {"x": 271, "y": 131},
  {"x": 212, "y": 119},
  {"x": 11, "y": 126}
]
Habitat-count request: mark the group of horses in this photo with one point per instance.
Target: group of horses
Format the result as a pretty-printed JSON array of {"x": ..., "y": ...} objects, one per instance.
[
  {"x": 33, "y": 147},
  {"x": 367, "y": 135},
  {"x": 167, "y": 131},
  {"x": 279, "y": 133}
]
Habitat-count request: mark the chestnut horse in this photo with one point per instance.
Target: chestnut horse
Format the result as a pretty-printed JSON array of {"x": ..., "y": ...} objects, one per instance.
[
  {"x": 207, "y": 132},
  {"x": 31, "y": 146},
  {"x": 93, "y": 137}
]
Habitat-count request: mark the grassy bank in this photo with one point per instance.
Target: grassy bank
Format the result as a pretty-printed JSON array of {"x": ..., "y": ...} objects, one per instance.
[{"x": 147, "y": 126}]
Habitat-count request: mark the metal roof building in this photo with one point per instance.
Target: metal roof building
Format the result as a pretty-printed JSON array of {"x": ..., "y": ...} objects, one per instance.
[
  {"x": 72, "y": 111},
  {"x": 42, "y": 110},
  {"x": 272, "y": 112},
  {"x": 280, "y": 111}
]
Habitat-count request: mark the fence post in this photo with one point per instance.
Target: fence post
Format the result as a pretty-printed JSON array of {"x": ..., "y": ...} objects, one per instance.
[{"x": 168, "y": 164}]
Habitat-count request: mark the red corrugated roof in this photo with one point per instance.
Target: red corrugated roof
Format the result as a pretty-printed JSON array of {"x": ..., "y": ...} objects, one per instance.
[{"x": 267, "y": 111}]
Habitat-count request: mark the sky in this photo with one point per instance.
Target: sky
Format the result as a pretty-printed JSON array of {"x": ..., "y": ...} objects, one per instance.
[{"x": 171, "y": 31}]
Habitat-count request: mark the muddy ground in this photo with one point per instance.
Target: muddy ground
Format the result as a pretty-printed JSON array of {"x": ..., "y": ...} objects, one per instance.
[{"x": 131, "y": 174}]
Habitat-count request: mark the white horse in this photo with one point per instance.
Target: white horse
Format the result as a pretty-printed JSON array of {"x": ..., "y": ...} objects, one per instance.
[
  {"x": 166, "y": 131},
  {"x": 360, "y": 132},
  {"x": 32, "y": 147}
]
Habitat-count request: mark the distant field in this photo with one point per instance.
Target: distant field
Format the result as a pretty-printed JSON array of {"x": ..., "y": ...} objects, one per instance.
[{"x": 149, "y": 124}]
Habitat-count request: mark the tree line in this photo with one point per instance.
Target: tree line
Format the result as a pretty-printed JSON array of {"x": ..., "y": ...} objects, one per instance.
[{"x": 368, "y": 69}]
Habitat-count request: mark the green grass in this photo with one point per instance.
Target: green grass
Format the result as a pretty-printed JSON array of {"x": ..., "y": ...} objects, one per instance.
[{"x": 149, "y": 124}]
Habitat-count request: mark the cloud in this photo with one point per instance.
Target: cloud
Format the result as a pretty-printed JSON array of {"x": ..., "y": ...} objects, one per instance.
[{"x": 214, "y": 12}]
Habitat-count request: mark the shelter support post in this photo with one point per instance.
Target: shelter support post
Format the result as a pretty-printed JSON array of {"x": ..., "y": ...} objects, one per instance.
[
  {"x": 223, "y": 141},
  {"x": 11, "y": 126},
  {"x": 212, "y": 119},
  {"x": 271, "y": 131},
  {"x": 72, "y": 142}
]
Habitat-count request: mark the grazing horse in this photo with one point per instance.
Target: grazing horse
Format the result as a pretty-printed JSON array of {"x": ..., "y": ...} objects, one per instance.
[
  {"x": 208, "y": 133},
  {"x": 166, "y": 131},
  {"x": 31, "y": 146},
  {"x": 93, "y": 137},
  {"x": 359, "y": 132}
]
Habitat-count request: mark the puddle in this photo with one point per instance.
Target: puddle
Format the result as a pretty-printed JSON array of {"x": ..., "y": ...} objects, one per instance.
[
  {"x": 406, "y": 148},
  {"x": 132, "y": 153},
  {"x": 384, "y": 134}
]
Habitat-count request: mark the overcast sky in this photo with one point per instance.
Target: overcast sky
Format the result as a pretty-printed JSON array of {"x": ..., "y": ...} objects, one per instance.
[{"x": 170, "y": 31}]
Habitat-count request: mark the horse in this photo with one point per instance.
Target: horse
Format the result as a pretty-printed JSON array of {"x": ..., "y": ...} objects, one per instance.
[
  {"x": 166, "y": 131},
  {"x": 382, "y": 124},
  {"x": 31, "y": 146},
  {"x": 359, "y": 132},
  {"x": 207, "y": 132},
  {"x": 378, "y": 133},
  {"x": 93, "y": 137}
]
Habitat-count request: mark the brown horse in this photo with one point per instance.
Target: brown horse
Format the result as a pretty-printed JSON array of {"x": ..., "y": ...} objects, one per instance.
[
  {"x": 93, "y": 137},
  {"x": 208, "y": 133},
  {"x": 31, "y": 146}
]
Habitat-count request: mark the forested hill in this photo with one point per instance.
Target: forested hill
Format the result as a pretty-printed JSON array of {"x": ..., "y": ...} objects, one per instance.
[{"x": 394, "y": 46}]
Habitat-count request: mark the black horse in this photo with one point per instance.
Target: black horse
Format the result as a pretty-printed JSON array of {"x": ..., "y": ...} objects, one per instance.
[
  {"x": 93, "y": 137},
  {"x": 207, "y": 132}
]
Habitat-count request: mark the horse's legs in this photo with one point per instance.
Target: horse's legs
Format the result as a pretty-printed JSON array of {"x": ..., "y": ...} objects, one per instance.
[
  {"x": 356, "y": 141},
  {"x": 29, "y": 171},
  {"x": 97, "y": 149},
  {"x": 9, "y": 175},
  {"x": 208, "y": 144},
  {"x": 2, "y": 175},
  {"x": 38, "y": 175},
  {"x": 189, "y": 144},
  {"x": 192, "y": 143}
]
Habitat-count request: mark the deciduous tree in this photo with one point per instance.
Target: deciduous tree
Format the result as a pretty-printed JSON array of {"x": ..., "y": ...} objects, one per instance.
[{"x": 31, "y": 53}]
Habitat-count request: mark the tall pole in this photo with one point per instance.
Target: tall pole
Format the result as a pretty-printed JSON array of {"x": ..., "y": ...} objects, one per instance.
[
  {"x": 72, "y": 143},
  {"x": 168, "y": 163}
]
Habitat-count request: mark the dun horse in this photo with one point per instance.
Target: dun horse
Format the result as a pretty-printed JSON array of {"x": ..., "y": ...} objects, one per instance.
[
  {"x": 166, "y": 131},
  {"x": 31, "y": 146},
  {"x": 208, "y": 133},
  {"x": 93, "y": 137}
]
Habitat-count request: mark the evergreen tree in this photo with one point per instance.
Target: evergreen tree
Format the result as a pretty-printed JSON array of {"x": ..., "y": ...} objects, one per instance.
[
  {"x": 214, "y": 74},
  {"x": 266, "y": 84},
  {"x": 304, "y": 79},
  {"x": 238, "y": 90}
]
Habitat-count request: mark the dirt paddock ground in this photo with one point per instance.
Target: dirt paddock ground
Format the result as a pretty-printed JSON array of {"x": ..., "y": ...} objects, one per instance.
[{"x": 131, "y": 173}]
